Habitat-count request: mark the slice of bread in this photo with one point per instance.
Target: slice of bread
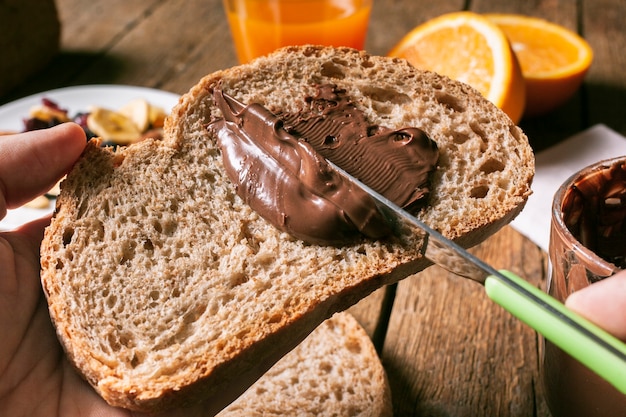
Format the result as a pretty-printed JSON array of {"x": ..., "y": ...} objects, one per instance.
[
  {"x": 334, "y": 372},
  {"x": 166, "y": 288}
]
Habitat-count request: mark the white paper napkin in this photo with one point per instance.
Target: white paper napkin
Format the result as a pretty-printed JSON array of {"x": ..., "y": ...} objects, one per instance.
[{"x": 555, "y": 165}]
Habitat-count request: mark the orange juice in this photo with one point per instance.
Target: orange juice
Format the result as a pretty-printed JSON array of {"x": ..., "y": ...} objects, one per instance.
[{"x": 260, "y": 26}]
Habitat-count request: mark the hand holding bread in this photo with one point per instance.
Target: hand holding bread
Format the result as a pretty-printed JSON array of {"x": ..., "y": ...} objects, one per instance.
[{"x": 336, "y": 356}]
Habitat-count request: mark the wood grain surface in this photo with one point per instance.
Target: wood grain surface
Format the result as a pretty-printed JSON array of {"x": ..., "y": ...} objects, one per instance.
[{"x": 448, "y": 350}]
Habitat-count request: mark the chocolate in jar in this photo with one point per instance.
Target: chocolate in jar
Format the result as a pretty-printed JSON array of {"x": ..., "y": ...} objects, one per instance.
[
  {"x": 588, "y": 243},
  {"x": 594, "y": 211}
]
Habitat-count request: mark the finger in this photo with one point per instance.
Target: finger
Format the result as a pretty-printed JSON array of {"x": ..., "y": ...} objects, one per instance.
[
  {"x": 32, "y": 233},
  {"x": 21, "y": 245},
  {"x": 32, "y": 162},
  {"x": 603, "y": 303}
]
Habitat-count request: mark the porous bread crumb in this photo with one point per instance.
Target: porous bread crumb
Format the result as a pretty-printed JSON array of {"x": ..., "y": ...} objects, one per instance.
[
  {"x": 334, "y": 372},
  {"x": 164, "y": 286}
]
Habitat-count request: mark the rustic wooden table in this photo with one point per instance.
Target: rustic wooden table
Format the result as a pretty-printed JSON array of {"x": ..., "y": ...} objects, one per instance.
[{"x": 448, "y": 350}]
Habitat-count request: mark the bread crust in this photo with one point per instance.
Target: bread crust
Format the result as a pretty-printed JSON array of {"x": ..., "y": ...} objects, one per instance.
[{"x": 166, "y": 289}]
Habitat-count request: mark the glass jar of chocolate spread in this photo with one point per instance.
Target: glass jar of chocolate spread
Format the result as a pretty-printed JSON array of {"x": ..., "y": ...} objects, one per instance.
[{"x": 587, "y": 244}]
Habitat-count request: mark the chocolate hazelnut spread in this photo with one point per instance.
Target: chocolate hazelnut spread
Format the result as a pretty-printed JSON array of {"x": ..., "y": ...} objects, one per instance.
[
  {"x": 397, "y": 163},
  {"x": 277, "y": 163},
  {"x": 594, "y": 211}
]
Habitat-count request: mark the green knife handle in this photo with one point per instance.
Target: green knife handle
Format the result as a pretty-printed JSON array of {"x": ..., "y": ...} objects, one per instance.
[{"x": 608, "y": 362}]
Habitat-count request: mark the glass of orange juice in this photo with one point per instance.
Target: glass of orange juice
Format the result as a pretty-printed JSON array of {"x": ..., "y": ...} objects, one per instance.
[{"x": 259, "y": 27}]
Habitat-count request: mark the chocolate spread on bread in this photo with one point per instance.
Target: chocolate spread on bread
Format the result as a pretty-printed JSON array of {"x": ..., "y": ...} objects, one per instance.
[
  {"x": 277, "y": 163},
  {"x": 396, "y": 163}
]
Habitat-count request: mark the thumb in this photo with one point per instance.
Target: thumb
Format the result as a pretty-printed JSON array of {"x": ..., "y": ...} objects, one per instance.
[
  {"x": 32, "y": 162},
  {"x": 603, "y": 303}
]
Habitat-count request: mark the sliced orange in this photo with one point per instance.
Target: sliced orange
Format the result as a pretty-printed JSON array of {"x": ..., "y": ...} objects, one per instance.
[
  {"x": 554, "y": 60},
  {"x": 468, "y": 47}
]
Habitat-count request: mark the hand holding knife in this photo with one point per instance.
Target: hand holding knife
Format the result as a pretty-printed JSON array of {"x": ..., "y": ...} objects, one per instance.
[{"x": 581, "y": 339}]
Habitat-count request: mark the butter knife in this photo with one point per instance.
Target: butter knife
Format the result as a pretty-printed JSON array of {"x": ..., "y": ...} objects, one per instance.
[{"x": 584, "y": 341}]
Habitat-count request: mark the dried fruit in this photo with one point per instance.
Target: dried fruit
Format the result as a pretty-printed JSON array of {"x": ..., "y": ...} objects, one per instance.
[{"x": 113, "y": 126}]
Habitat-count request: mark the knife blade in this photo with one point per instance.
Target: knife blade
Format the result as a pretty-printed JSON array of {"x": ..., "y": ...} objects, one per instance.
[{"x": 589, "y": 344}]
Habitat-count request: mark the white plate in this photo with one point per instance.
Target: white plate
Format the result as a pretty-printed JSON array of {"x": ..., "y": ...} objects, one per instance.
[{"x": 74, "y": 99}]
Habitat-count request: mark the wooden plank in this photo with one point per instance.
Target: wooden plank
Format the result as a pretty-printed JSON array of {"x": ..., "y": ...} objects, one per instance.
[
  {"x": 368, "y": 314},
  {"x": 210, "y": 48},
  {"x": 96, "y": 25},
  {"x": 88, "y": 31},
  {"x": 451, "y": 351},
  {"x": 392, "y": 19},
  {"x": 156, "y": 50},
  {"x": 603, "y": 26}
]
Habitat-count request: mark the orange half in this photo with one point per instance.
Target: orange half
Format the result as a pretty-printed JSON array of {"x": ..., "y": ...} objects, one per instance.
[
  {"x": 554, "y": 60},
  {"x": 467, "y": 47}
]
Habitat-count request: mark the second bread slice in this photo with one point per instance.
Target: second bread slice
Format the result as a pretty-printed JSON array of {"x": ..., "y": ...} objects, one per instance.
[{"x": 335, "y": 371}]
